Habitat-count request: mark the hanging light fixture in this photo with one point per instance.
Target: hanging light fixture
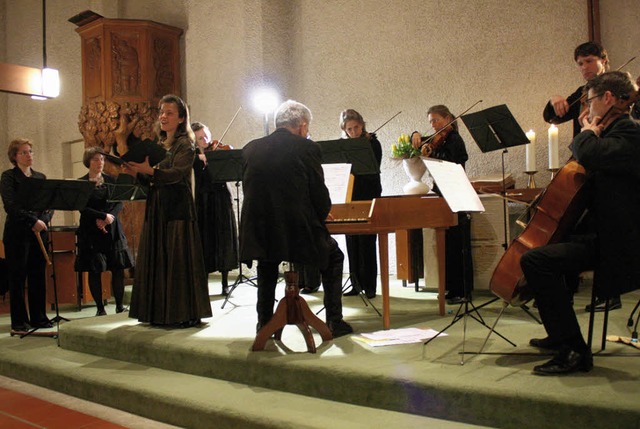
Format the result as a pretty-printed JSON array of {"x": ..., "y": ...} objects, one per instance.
[{"x": 49, "y": 78}]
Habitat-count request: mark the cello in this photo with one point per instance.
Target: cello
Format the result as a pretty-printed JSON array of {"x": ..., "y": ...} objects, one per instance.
[{"x": 558, "y": 210}]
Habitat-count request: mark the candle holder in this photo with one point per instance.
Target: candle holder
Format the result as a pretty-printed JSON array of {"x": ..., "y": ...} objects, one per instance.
[
  {"x": 553, "y": 172},
  {"x": 531, "y": 181}
]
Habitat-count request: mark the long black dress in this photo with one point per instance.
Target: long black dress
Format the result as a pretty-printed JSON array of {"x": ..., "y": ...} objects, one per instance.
[
  {"x": 216, "y": 221},
  {"x": 99, "y": 251},
  {"x": 170, "y": 286}
]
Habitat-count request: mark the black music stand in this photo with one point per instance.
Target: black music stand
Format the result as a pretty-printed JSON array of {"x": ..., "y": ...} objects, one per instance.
[
  {"x": 359, "y": 154},
  {"x": 226, "y": 166},
  {"x": 126, "y": 188},
  {"x": 66, "y": 195},
  {"x": 493, "y": 129}
]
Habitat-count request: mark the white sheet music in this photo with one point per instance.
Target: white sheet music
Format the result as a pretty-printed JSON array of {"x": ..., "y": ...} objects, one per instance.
[
  {"x": 454, "y": 185},
  {"x": 336, "y": 179}
]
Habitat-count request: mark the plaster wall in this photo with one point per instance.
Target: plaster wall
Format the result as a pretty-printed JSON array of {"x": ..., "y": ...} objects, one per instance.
[{"x": 377, "y": 56}]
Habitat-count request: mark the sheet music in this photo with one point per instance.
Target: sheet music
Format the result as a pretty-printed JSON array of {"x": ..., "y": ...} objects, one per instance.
[
  {"x": 454, "y": 185},
  {"x": 337, "y": 180}
]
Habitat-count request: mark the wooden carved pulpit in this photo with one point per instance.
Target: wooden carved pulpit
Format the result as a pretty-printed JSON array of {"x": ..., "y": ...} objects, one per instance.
[{"x": 127, "y": 67}]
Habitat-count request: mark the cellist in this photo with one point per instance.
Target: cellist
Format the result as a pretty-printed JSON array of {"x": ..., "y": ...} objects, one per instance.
[
  {"x": 608, "y": 147},
  {"x": 592, "y": 60}
]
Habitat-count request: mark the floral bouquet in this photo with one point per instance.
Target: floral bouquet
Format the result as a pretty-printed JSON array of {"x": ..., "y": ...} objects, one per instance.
[{"x": 404, "y": 149}]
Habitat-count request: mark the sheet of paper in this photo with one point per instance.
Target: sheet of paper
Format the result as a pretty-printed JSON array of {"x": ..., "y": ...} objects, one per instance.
[
  {"x": 454, "y": 185},
  {"x": 336, "y": 178},
  {"x": 391, "y": 337}
]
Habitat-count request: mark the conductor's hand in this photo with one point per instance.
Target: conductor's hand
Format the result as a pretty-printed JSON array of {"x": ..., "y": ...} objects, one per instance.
[
  {"x": 140, "y": 167},
  {"x": 560, "y": 105},
  {"x": 39, "y": 226}
]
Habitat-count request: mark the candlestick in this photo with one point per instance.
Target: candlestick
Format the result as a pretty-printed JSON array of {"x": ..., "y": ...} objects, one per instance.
[
  {"x": 554, "y": 171},
  {"x": 530, "y": 154},
  {"x": 553, "y": 148},
  {"x": 531, "y": 182}
]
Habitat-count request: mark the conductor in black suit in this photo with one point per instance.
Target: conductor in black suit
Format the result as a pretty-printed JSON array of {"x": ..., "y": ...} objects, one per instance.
[{"x": 283, "y": 216}]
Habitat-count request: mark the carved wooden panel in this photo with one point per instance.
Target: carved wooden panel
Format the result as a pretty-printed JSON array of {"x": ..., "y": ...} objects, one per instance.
[{"x": 127, "y": 66}]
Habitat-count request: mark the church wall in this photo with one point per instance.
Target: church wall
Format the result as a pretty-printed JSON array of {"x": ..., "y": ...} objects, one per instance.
[{"x": 376, "y": 56}]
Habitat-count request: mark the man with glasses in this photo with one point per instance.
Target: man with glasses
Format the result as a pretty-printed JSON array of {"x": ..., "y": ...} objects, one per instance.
[{"x": 608, "y": 147}]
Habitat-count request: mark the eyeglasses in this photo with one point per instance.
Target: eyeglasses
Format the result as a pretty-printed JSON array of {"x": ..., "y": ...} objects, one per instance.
[
  {"x": 588, "y": 100},
  {"x": 25, "y": 152}
]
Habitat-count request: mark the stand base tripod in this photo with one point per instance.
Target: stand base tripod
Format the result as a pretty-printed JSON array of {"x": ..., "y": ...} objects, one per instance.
[
  {"x": 465, "y": 310},
  {"x": 241, "y": 279},
  {"x": 363, "y": 296}
]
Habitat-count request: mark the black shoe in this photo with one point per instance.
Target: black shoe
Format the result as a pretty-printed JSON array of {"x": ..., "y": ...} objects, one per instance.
[
  {"x": 120, "y": 309},
  {"x": 566, "y": 362},
  {"x": 44, "y": 324},
  {"x": 101, "y": 312},
  {"x": 308, "y": 290},
  {"x": 455, "y": 300},
  {"x": 339, "y": 328},
  {"x": 352, "y": 292},
  {"x": 371, "y": 295},
  {"x": 614, "y": 304},
  {"x": 189, "y": 323},
  {"x": 25, "y": 327},
  {"x": 545, "y": 343}
]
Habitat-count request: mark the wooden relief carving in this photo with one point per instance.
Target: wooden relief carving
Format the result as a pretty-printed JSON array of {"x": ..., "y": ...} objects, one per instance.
[
  {"x": 162, "y": 57},
  {"x": 101, "y": 122},
  {"x": 93, "y": 74},
  {"x": 125, "y": 66}
]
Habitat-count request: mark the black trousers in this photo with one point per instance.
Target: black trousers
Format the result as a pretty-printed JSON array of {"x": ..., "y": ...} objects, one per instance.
[
  {"x": 26, "y": 266},
  {"x": 363, "y": 265},
  {"x": 458, "y": 260},
  {"x": 331, "y": 283},
  {"x": 545, "y": 268}
]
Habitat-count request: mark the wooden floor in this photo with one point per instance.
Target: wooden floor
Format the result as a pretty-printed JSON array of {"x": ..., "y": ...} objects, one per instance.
[{"x": 19, "y": 411}]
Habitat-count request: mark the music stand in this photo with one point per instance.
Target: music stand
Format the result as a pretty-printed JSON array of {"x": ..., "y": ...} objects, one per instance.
[
  {"x": 359, "y": 154},
  {"x": 226, "y": 166},
  {"x": 493, "y": 129},
  {"x": 126, "y": 189},
  {"x": 43, "y": 194}
]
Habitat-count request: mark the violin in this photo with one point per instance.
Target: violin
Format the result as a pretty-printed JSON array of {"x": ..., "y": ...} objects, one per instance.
[
  {"x": 435, "y": 141},
  {"x": 218, "y": 145}
]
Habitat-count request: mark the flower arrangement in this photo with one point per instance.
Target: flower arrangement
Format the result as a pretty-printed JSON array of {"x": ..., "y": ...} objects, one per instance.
[{"x": 404, "y": 149}]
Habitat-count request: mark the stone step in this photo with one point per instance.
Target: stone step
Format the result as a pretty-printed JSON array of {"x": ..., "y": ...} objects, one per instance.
[{"x": 187, "y": 400}]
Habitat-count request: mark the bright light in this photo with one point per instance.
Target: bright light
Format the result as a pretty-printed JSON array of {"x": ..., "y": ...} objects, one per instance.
[
  {"x": 47, "y": 83},
  {"x": 266, "y": 100},
  {"x": 50, "y": 83}
]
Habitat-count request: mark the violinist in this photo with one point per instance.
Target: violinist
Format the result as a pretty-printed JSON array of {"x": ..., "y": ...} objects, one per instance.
[
  {"x": 608, "y": 147},
  {"x": 214, "y": 208},
  {"x": 361, "y": 249},
  {"x": 447, "y": 144},
  {"x": 592, "y": 60}
]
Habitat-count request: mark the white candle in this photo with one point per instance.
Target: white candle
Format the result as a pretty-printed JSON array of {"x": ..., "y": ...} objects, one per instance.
[
  {"x": 530, "y": 158},
  {"x": 553, "y": 147}
]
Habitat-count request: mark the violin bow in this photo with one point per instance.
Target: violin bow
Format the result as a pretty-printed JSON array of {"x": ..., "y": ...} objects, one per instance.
[
  {"x": 389, "y": 120},
  {"x": 229, "y": 126}
]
